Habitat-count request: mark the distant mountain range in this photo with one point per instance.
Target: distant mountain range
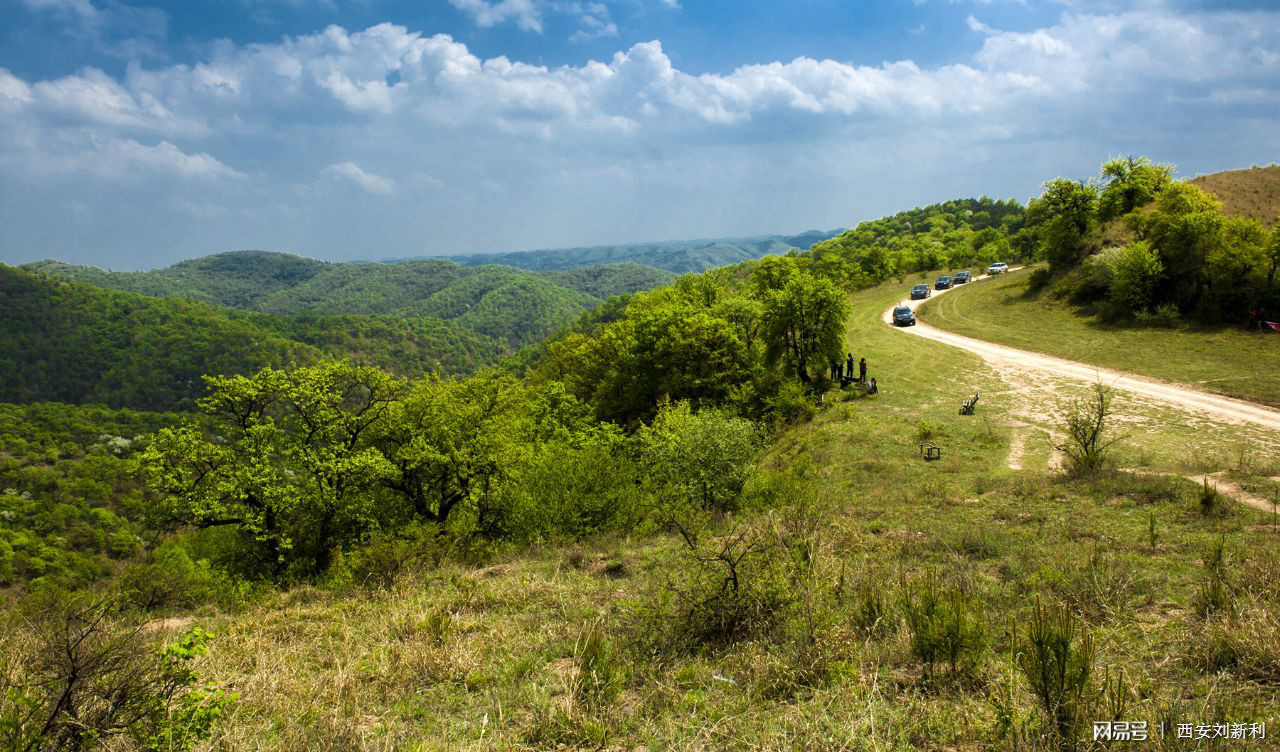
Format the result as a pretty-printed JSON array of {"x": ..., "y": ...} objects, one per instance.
[
  {"x": 678, "y": 256},
  {"x": 142, "y": 339}
]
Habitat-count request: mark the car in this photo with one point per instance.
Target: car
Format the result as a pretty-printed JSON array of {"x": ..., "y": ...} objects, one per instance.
[
  {"x": 962, "y": 277},
  {"x": 999, "y": 267},
  {"x": 903, "y": 316},
  {"x": 920, "y": 292},
  {"x": 943, "y": 283}
]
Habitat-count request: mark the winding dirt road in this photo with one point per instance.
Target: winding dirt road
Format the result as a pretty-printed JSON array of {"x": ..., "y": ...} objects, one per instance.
[{"x": 1005, "y": 359}]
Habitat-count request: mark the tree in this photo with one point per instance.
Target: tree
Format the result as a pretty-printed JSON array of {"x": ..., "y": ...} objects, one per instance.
[
  {"x": 452, "y": 442},
  {"x": 1135, "y": 277},
  {"x": 804, "y": 324},
  {"x": 285, "y": 459},
  {"x": 700, "y": 459},
  {"x": 1130, "y": 182},
  {"x": 1184, "y": 229},
  {"x": 1063, "y": 215}
]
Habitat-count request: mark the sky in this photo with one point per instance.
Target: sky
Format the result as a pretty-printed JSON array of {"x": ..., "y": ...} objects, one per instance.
[{"x": 136, "y": 133}]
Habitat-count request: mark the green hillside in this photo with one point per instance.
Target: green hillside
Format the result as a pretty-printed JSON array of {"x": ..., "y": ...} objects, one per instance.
[
  {"x": 511, "y": 306},
  {"x": 71, "y": 342},
  {"x": 679, "y": 256}
]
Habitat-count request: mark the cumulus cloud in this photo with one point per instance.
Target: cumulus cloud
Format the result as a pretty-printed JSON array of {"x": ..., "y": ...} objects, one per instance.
[
  {"x": 626, "y": 147},
  {"x": 366, "y": 181}
]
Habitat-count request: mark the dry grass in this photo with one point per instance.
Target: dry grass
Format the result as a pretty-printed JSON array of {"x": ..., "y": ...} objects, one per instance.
[{"x": 1253, "y": 193}]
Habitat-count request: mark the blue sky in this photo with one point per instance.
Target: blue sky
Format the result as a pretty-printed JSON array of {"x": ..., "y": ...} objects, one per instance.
[{"x": 134, "y": 133}]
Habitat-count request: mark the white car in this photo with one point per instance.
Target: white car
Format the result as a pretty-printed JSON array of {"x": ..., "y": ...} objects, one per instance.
[{"x": 998, "y": 268}]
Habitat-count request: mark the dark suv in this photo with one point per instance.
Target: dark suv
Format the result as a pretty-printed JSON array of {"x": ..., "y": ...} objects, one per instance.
[
  {"x": 943, "y": 283},
  {"x": 962, "y": 277},
  {"x": 903, "y": 316},
  {"x": 920, "y": 292}
]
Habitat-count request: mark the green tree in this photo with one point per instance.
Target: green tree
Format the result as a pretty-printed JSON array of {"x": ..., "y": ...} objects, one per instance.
[
  {"x": 1063, "y": 215},
  {"x": 698, "y": 459},
  {"x": 283, "y": 457},
  {"x": 804, "y": 324},
  {"x": 452, "y": 443},
  {"x": 1136, "y": 273},
  {"x": 1184, "y": 229},
  {"x": 1130, "y": 182}
]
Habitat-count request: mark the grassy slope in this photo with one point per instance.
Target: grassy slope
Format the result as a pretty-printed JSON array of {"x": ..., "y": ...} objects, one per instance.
[
  {"x": 1253, "y": 193},
  {"x": 326, "y": 670},
  {"x": 1233, "y": 362}
]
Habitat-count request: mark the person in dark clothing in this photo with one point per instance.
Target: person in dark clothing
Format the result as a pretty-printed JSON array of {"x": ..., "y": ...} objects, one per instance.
[
  {"x": 862, "y": 369},
  {"x": 835, "y": 370},
  {"x": 872, "y": 388},
  {"x": 849, "y": 366}
]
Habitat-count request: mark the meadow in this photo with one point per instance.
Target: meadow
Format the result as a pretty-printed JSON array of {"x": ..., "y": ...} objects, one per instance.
[{"x": 849, "y": 536}]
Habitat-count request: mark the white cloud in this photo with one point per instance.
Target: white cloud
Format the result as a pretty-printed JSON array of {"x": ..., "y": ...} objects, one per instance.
[
  {"x": 485, "y": 13},
  {"x": 367, "y": 181},
  {"x": 514, "y": 154}
]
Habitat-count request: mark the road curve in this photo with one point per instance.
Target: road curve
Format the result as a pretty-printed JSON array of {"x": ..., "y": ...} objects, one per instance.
[{"x": 1002, "y": 357}]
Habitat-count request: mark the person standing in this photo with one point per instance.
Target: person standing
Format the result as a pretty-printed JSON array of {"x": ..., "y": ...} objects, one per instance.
[
  {"x": 862, "y": 369},
  {"x": 835, "y": 370},
  {"x": 849, "y": 366}
]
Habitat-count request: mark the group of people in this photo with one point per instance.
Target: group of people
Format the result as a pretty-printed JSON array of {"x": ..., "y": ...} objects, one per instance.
[
  {"x": 842, "y": 373},
  {"x": 1258, "y": 320}
]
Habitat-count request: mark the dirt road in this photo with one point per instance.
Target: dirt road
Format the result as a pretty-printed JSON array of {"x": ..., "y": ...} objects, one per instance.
[{"x": 1008, "y": 359}]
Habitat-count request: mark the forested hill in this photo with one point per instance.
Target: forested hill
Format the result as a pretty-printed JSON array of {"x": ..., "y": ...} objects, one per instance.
[
  {"x": 678, "y": 256},
  {"x": 952, "y": 234},
  {"x": 69, "y": 342},
  {"x": 511, "y": 306}
]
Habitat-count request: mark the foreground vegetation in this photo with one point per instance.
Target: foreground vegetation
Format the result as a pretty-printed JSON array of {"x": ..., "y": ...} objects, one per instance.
[{"x": 669, "y": 530}]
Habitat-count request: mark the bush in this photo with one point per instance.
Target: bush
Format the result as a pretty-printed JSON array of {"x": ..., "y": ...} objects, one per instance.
[
  {"x": 1216, "y": 594},
  {"x": 1039, "y": 279},
  {"x": 1088, "y": 443},
  {"x": 1211, "y": 502},
  {"x": 947, "y": 626},
  {"x": 84, "y": 676},
  {"x": 699, "y": 459}
]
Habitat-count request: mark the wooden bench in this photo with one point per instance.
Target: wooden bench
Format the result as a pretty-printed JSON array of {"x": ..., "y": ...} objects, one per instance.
[
  {"x": 930, "y": 452},
  {"x": 967, "y": 407}
]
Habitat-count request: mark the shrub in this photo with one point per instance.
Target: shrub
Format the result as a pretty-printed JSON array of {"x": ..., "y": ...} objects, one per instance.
[
  {"x": 947, "y": 627},
  {"x": 732, "y": 588},
  {"x": 1057, "y": 661},
  {"x": 1086, "y": 426},
  {"x": 84, "y": 676},
  {"x": 1039, "y": 279},
  {"x": 1216, "y": 594},
  {"x": 1211, "y": 502},
  {"x": 702, "y": 459}
]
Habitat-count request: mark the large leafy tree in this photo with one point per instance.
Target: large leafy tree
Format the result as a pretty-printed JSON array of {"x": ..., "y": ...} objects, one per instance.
[
  {"x": 1130, "y": 182},
  {"x": 452, "y": 443},
  {"x": 803, "y": 324},
  {"x": 1061, "y": 217},
  {"x": 1185, "y": 228},
  {"x": 284, "y": 457}
]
